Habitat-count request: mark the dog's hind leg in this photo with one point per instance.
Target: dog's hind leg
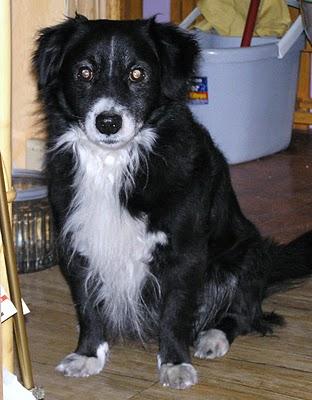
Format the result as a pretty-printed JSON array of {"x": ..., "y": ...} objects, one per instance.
[
  {"x": 92, "y": 350},
  {"x": 211, "y": 344},
  {"x": 215, "y": 342}
]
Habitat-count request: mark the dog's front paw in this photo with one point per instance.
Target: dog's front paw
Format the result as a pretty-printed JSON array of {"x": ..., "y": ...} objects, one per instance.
[
  {"x": 180, "y": 376},
  {"x": 211, "y": 344},
  {"x": 81, "y": 366}
]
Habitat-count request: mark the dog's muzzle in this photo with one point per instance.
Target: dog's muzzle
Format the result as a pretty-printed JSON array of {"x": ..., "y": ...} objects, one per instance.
[{"x": 108, "y": 123}]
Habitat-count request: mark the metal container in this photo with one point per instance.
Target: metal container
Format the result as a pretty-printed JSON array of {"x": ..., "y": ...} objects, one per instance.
[{"x": 32, "y": 223}]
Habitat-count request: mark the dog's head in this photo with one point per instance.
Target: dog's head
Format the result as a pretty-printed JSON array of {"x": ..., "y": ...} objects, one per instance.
[{"x": 109, "y": 76}]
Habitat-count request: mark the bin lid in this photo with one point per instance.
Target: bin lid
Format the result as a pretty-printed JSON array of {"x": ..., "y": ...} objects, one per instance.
[{"x": 29, "y": 185}]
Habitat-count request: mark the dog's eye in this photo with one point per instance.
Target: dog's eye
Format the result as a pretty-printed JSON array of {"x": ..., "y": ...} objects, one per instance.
[
  {"x": 137, "y": 75},
  {"x": 85, "y": 73}
]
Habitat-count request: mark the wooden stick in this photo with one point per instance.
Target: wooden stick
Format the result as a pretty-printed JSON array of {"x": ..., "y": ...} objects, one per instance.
[
  {"x": 250, "y": 22},
  {"x": 10, "y": 259}
]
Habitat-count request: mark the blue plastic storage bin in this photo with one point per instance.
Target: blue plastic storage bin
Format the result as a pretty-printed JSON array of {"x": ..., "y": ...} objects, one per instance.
[{"x": 251, "y": 92}]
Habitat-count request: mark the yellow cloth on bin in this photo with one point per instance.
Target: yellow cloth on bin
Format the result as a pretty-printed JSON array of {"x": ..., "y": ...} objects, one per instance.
[{"x": 228, "y": 17}]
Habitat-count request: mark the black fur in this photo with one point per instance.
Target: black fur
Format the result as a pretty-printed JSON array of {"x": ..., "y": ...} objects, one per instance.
[{"x": 216, "y": 269}]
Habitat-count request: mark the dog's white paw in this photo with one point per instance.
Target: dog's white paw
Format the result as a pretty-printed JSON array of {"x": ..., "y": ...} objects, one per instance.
[
  {"x": 211, "y": 344},
  {"x": 82, "y": 366},
  {"x": 180, "y": 376}
]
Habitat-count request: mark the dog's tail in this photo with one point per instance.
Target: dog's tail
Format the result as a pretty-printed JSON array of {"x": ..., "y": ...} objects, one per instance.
[{"x": 290, "y": 263}]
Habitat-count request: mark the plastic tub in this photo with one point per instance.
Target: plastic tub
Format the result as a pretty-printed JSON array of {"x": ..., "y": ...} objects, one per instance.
[
  {"x": 32, "y": 223},
  {"x": 250, "y": 92}
]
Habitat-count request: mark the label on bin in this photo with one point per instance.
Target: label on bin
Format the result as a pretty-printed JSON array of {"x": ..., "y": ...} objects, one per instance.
[{"x": 198, "y": 90}]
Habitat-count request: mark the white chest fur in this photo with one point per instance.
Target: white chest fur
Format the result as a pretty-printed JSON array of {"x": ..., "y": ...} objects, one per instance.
[{"x": 117, "y": 246}]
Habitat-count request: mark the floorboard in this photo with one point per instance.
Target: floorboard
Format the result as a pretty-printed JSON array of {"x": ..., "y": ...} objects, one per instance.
[{"x": 276, "y": 194}]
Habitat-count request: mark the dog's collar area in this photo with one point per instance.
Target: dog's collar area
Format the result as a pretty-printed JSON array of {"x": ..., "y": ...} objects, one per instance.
[
  {"x": 108, "y": 141},
  {"x": 113, "y": 144}
]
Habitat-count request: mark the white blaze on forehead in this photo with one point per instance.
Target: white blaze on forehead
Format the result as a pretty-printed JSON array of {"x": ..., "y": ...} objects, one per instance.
[{"x": 111, "y": 56}]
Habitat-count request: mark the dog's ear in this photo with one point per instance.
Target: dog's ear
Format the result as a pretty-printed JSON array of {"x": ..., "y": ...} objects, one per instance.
[
  {"x": 178, "y": 53},
  {"x": 50, "y": 49}
]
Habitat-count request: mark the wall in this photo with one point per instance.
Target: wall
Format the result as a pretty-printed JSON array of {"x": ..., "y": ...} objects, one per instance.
[
  {"x": 160, "y": 7},
  {"x": 27, "y": 17}
]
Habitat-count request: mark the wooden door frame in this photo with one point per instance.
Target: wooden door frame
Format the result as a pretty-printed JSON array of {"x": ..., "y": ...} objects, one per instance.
[
  {"x": 179, "y": 9},
  {"x": 110, "y": 9}
]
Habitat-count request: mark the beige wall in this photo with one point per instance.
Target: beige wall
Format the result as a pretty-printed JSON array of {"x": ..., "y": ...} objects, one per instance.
[{"x": 27, "y": 17}]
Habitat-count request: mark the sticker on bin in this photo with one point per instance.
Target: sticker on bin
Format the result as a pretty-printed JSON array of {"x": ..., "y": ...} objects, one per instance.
[{"x": 198, "y": 90}]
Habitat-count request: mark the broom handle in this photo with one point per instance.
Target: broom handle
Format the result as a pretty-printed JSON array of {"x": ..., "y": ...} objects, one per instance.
[
  {"x": 10, "y": 260},
  {"x": 250, "y": 23}
]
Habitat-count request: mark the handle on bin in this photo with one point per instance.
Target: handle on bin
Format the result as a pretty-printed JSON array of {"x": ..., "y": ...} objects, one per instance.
[
  {"x": 196, "y": 13},
  {"x": 283, "y": 45},
  {"x": 286, "y": 42},
  {"x": 190, "y": 18}
]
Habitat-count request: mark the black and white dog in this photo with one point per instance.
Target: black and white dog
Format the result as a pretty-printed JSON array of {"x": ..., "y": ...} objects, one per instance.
[{"x": 151, "y": 237}]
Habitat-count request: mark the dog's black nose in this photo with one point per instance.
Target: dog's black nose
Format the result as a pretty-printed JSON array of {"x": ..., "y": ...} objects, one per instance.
[{"x": 108, "y": 123}]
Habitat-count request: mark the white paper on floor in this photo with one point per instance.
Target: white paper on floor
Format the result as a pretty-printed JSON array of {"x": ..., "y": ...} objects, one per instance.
[{"x": 12, "y": 389}]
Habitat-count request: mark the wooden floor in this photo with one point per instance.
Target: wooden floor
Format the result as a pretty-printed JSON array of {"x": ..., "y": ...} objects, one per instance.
[{"x": 276, "y": 193}]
